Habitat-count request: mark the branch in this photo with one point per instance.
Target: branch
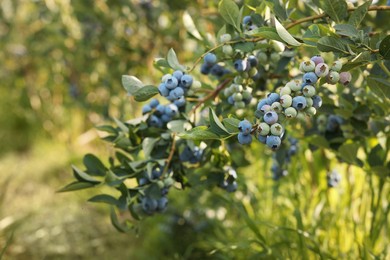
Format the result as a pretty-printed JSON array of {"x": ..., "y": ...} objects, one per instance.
[
  {"x": 170, "y": 156},
  {"x": 212, "y": 95}
]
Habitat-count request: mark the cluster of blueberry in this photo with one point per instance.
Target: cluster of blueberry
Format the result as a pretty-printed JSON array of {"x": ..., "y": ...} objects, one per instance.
[
  {"x": 191, "y": 155},
  {"x": 278, "y": 168},
  {"x": 175, "y": 87},
  {"x": 229, "y": 183},
  {"x": 152, "y": 201},
  {"x": 333, "y": 179},
  {"x": 248, "y": 24},
  {"x": 160, "y": 114},
  {"x": 210, "y": 66}
]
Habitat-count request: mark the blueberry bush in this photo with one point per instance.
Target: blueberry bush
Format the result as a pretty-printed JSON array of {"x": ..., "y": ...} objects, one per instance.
[{"x": 301, "y": 88}]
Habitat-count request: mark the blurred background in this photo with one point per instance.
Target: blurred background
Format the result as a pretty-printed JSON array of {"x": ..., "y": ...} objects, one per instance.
[{"x": 62, "y": 63}]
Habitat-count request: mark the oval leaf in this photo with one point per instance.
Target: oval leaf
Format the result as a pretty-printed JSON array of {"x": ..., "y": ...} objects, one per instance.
[
  {"x": 145, "y": 93},
  {"x": 173, "y": 61},
  {"x": 131, "y": 84},
  {"x": 230, "y": 13},
  {"x": 104, "y": 198},
  {"x": 190, "y": 26},
  {"x": 384, "y": 48},
  {"x": 285, "y": 35},
  {"x": 328, "y": 44},
  {"x": 216, "y": 126},
  {"x": 199, "y": 133},
  {"x": 336, "y": 9}
]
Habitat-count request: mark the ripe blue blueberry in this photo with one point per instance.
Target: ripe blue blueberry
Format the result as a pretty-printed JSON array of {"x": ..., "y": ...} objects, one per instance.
[
  {"x": 186, "y": 81},
  {"x": 247, "y": 20},
  {"x": 317, "y": 59},
  {"x": 177, "y": 93},
  {"x": 178, "y": 74},
  {"x": 273, "y": 97},
  {"x": 171, "y": 82},
  {"x": 310, "y": 78},
  {"x": 317, "y": 101},
  {"x": 262, "y": 139},
  {"x": 163, "y": 90},
  {"x": 244, "y": 139},
  {"x": 205, "y": 68},
  {"x": 240, "y": 65},
  {"x": 273, "y": 142},
  {"x": 261, "y": 103},
  {"x": 231, "y": 100},
  {"x": 210, "y": 58},
  {"x": 180, "y": 102},
  {"x": 160, "y": 109},
  {"x": 162, "y": 204},
  {"x": 231, "y": 187},
  {"x": 217, "y": 70},
  {"x": 156, "y": 172},
  {"x": 333, "y": 123},
  {"x": 171, "y": 110},
  {"x": 245, "y": 127},
  {"x": 253, "y": 61},
  {"x": 333, "y": 179},
  {"x": 270, "y": 117},
  {"x": 299, "y": 102},
  {"x": 146, "y": 109},
  {"x": 154, "y": 103},
  {"x": 149, "y": 205},
  {"x": 165, "y": 118},
  {"x": 154, "y": 121}
]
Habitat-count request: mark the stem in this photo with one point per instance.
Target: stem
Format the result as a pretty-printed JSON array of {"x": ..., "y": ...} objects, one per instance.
[
  {"x": 212, "y": 95},
  {"x": 384, "y": 68},
  {"x": 170, "y": 156}
]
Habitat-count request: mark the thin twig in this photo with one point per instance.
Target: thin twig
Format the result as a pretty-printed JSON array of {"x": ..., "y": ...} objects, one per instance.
[{"x": 170, "y": 156}]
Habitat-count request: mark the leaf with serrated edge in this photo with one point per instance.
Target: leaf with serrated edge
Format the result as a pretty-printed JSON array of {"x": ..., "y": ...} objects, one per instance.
[{"x": 285, "y": 35}]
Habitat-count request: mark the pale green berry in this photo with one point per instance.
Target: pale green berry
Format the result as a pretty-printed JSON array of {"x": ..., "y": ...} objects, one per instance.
[
  {"x": 262, "y": 57},
  {"x": 252, "y": 72},
  {"x": 308, "y": 91},
  {"x": 227, "y": 49},
  {"x": 311, "y": 111},
  {"x": 263, "y": 129},
  {"x": 290, "y": 112},
  {"x": 275, "y": 57},
  {"x": 246, "y": 94},
  {"x": 227, "y": 92},
  {"x": 277, "y": 107},
  {"x": 307, "y": 66},
  {"x": 276, "y": 129},
  {"x": 336, "y": 66},
  {"x": 285, "y": 91},
  {"x": 245, "y": 75},
  {"x": 309, "y": 102},
  {"x": 322, "y": 119},
  {"x": 333, "y": 77},
  {"x": 225, "y": 38},
  {"x": 237, "y": 97},
  {"x": 285, "y": 101},
  {"x": 238, "y": 80},
  {"x": 294, "y": 85},
  {"x": 239, "y": 104},
  {"x": 301, "y": 116},
  {"x": 196, "y": 84}
]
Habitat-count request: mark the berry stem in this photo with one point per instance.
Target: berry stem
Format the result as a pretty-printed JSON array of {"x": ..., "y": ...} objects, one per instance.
[{"x": 212, "y": 95}]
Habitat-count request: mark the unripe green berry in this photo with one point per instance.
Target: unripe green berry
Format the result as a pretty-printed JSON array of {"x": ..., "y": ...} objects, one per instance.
[
  {"x": 294, "y": 85},
  {"x": 196, "y": 84},
  {"x": 237, "y": 97},
  {"x": 308, "y": 91},
  {"x": 276, "y": 129},
  {"x": 307, "y": 66},
  {"x": 285, "y": 101},
  {"x": 227, "y": 50},
  {"x": 336, "y": 66},
  {"x": 252, "y": 72},
  {"x": 285, "y": 91},
  {"x": 277, "y": 107},
  {"x": 290, "y": 112},
  {"x": 239, "y": 104},
  {"x": 333, "y": 77},
  {"x": 227, "y": 92},
  {"x": 263, "y": 129},
  {"x": 225, "y": 38},
  {"x": 321, "y": 120},
  {"x": 275, "y": 57},
  {"x": 311, "y": 111},
  {"x": 246, "y": 94},
  {"x": 238, "y": 80},
  {"x": 309, "y": 102},
  {"x": 262, "y": 57}
]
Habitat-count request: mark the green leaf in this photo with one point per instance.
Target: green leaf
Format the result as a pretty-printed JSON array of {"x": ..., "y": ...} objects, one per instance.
[
  {"x": 178, "y": 126},
  {"x": 215, "y": 124},
  {"x": 145, "y": 93},
  {"x": 348, "y": 152},
  {"x": 173, "y": 61},
  {"x": 160, "y": 62},
  {"x": 377, "y": 156},
  {"x": 265, "y": 32},
  {"x": 82, "y": 176},
  {"x": 94, "y": 165},
  {"x": 277, "y": 8},
  {"x": 331, "y": 44},
  {"x": 190, "y": 26},
  {"x": 231, "y": 124},
  {"x": 107, "y": 128},
  {"x": 244, "y": 46},
  {"x": 115, "y": 222},
  {"x": 148, "y": 145},
  {"x": 77, "y": 185},
  {"x": 131, "y": 84},
  {"x": 230, "y": 13},
  {"x": 199, "y": 133},
  {"x": 336, "y": 9},
  {"x": 384, "y": 48},
  {"x": 346, "y": 30},
  {"x": 319, "y": 141},
  {"x": 121, "y": 125},
  {"x": 358, "y": 15},
  {"x": 380, "y": 86},
  {"x": 312, "y": 35},
  {"x": 285, "y": 35},
  {"x": 104, "y": 198}
]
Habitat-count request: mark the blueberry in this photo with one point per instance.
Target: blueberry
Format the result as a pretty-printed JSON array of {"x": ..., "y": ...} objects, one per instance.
[
  {"x": 149, "y": 205},
  {"x": 160, "y": 109},
  {"x": 345, "y": 78},
  {"x": 273, "y": 142},
  {"x": 317, "y": 59},
  {"x": 310, "y": 78},
  {"x": 270, "y": 117},
  {"x": 290, "y": 112},
  {"x": 231, "y": 187},
  {"x": 171, "y": 110},
  {"x": 231, "y": 100},
  {"x": 273, "y": 97},
  {"x": 180, "y": 102},
  {"x": 146, "y": 109},
  {"x": 317, "y": 101},
  {"x": 165, "y": 118},
  {"x": 333, "y": 77},
  {"x": 336, "y": 66},
  {"x": 217, "y": 70},
  {"x": 333, "y": 123},
  {"x": 262, "y": 57},
  {"x": 252, "y": 60},
  {"x": 162, "y": 204},
  {"x": 333, "y": 179},
  {"x": 262, "y": 139},
  {"x": 154, "y": 103},
  {"x": 156, "y": 172},
  {"x": 178, "y": 74},
  {"x": 263, "y": 129},
  {"x": 308, "y": 91},
  {"x": 286, "y": 101},
  {"x": 307, "y": 66},
  {"x": 299, "y": 102},
  {"x": 155, "y": 121},
  {"x": 276, "y": 129},
  {"x": 321, "y": 70},
  {"x": 240, "y": 65},
  {"x": 225, "y": 38},
  {"x": 163, "y": 90},
  {"x": 294, "y": 85},
  {"x": 143, "y": 181},
  {"x": 171, "y": 82},
  {"x": 247, "y": 20},
  {"x": 205, "y": 69},
  {"x": 245, "y": 127},
  {"x": 265, "y": 108},
  {"x": 244, "y": 139},
  {"x": 210, "y": 58},
  {"x": 186, "y": 81},
  {"x": 177, "y": 93},
  {"x": 262, "y": 103}
]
